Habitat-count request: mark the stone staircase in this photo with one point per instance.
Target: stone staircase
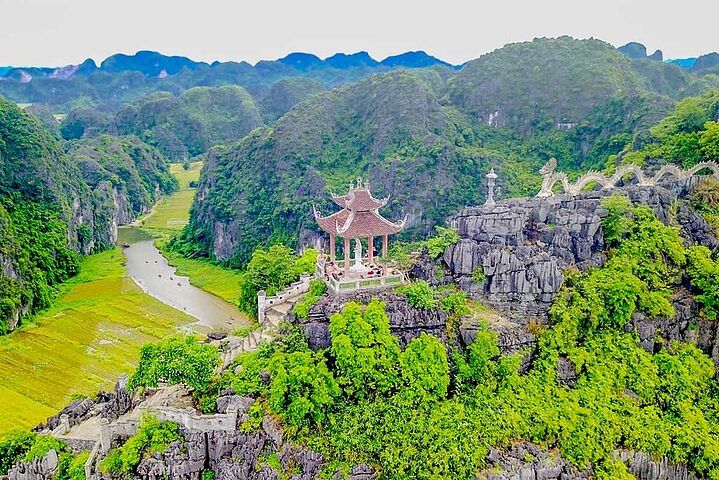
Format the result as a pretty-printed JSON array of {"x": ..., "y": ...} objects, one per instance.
[{"x": 232, "y": 346}]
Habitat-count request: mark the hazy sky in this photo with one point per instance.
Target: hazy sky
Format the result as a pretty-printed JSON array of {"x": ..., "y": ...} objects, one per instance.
[{"x": 59, "y": 32}]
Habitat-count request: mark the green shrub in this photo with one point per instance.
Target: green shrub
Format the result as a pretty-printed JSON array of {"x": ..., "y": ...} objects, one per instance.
[
  {"x": 365, "y": 353},
  {"x": 208, "y": 475},
  {"x": 454, "y": 303},
  {"x": 242, "y": 331},
  {"x": 317, "y": 289},
  {"x": 153, "y": 436},
  {"x": 419, "y": 294},
  {"x": 704, "y": 275},
  {"x": 478, "y": 275},
  {"x": 42, "y": 445},
  {"x": 424, "y": 368},
  {"x": 302, "y": 389},
  {"x": 443, "y": 238},
  {"x": 272, "y": 270},
  {"x": 13, "y": 446},
  {"x": 176, "y": 360},
  {"x": 255, "y": 415},
  {"x": 76, "y": 471}
]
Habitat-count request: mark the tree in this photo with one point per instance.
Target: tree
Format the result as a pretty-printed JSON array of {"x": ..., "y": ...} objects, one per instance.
[
  {"x": 709, "y": 141},
  {"x": 302, "y": 388},
  {"x": 424, "y": 367},
  {"x": 365, "y": 352},
  {"x": 704, "y": 275},
  {"x": 272, "y": 270},
  {"x": 176, "y": 360}
]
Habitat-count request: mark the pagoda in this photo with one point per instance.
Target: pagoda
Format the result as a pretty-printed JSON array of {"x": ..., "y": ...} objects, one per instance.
[{"x": 358, "y": 219}]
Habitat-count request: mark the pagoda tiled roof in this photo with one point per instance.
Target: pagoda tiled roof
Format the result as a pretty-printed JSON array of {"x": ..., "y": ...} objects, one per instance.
[
  {"x": 359, "y": 200},
  {"x": 359, "y": 216}
]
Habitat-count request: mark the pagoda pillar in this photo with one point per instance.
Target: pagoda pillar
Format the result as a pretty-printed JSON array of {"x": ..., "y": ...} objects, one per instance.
[
  {"x": 347, "y": 256},
  {"x": 370, "y": 249},
  {"x": 384, "y": 246},
  {"x": 333, "y": 248}
]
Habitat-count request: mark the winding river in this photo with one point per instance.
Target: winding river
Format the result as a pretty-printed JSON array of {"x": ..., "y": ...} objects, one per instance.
[{"x": 152, "y": 273}]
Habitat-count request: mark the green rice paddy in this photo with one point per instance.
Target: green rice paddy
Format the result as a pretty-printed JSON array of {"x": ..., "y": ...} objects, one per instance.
[
  {"x": 168, "y": 217},
  {"x": 93, "y": 332},
  {"x": 91, "y": 335},
  {"x": 171, "y": 213}
]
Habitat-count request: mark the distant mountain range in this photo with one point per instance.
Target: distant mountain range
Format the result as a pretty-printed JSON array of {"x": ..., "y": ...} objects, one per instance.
[
  {"x": 121, "y": 79},
  {"x": 155, "y": 64},
  {"x": 708, "y": 63}
]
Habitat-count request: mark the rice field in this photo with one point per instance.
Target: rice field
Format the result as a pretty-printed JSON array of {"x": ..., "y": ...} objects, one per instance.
[
  {"x": 172, "y": 212},
  {"x": 91, "y": 335},
  {"x": 93, "y": 332},
  {"x": 168, "y": 217}
]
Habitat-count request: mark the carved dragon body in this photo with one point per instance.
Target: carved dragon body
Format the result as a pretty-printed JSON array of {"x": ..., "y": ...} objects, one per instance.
[{"x": 550, "y": 178}]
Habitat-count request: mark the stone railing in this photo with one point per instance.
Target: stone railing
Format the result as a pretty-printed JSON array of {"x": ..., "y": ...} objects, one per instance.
[
  {"x": 264, "y": 302},
  {"x": 666, "y": 172},
  {"x": 352, "y": 284},
  {"x": 218, "y": 422}
]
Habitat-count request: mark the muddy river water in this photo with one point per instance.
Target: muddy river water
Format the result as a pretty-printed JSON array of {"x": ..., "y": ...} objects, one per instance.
[{"x": 150, "y": 270}]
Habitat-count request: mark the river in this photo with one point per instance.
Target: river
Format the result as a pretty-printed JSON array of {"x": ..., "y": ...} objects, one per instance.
[{"x": 152, "y": 273}]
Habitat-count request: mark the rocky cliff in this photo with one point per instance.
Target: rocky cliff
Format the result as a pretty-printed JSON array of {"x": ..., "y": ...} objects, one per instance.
[
  {"x": 513, "y": 256},
  {"x": 406, "y": 322},
  {"x": 60, "y": 199}
]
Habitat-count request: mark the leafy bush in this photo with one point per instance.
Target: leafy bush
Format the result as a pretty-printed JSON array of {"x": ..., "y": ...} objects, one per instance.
[
  {"x": 365, "y": 353},
  {"x": 317, "y": 289},
  {"x": 302, "y": 389},
  {"x": 42, "y": 445},
  {"x": 272, "y": 270},
  {"x": 704, "y": 275},
  {"x": 454, "y": 303},
  {"x": 153, "y": 436},
  {"x": 424, "y": 368},
  {"x": 478, "y": 275},
  {"x": 443, "y": 238},
  {"x": 76, "y": 470},
  {"x": 419, "y": 294},
  {"x": 176, "y": 360},
  {"x": 13, "y": 446},
  {"x": 709, "y": 141}
]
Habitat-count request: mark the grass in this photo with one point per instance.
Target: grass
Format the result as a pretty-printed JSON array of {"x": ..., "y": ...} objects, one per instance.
[
  {"x": 220, "y": 281},
  {"x": 91, "y": 335},
  {"x": 173, "y": 212}
]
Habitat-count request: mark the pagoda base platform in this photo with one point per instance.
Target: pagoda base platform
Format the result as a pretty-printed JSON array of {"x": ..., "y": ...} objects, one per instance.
[{"x": 375, "y": 277}]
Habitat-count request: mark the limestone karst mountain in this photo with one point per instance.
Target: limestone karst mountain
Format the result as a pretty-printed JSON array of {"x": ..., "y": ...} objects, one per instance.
[
  {"x": 56, "y": 203},
  {"x": 426, "y": 138}
]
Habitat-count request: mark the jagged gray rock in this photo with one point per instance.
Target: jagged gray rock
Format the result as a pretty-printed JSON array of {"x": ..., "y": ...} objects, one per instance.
[
  {"x": 644, "y": 467},
  {"x": 526, "y": 461},
  {"x": 406, "y": 322},
  {"x": 39, "y": 469},
  {"x": 523, "y": 247}
]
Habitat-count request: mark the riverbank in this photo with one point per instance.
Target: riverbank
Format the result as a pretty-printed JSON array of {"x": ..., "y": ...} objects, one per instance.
[
  {"x": 93, "y": 332},
  {"x": 90, "y": 336},
  {"x": 168, "y": 217}
]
